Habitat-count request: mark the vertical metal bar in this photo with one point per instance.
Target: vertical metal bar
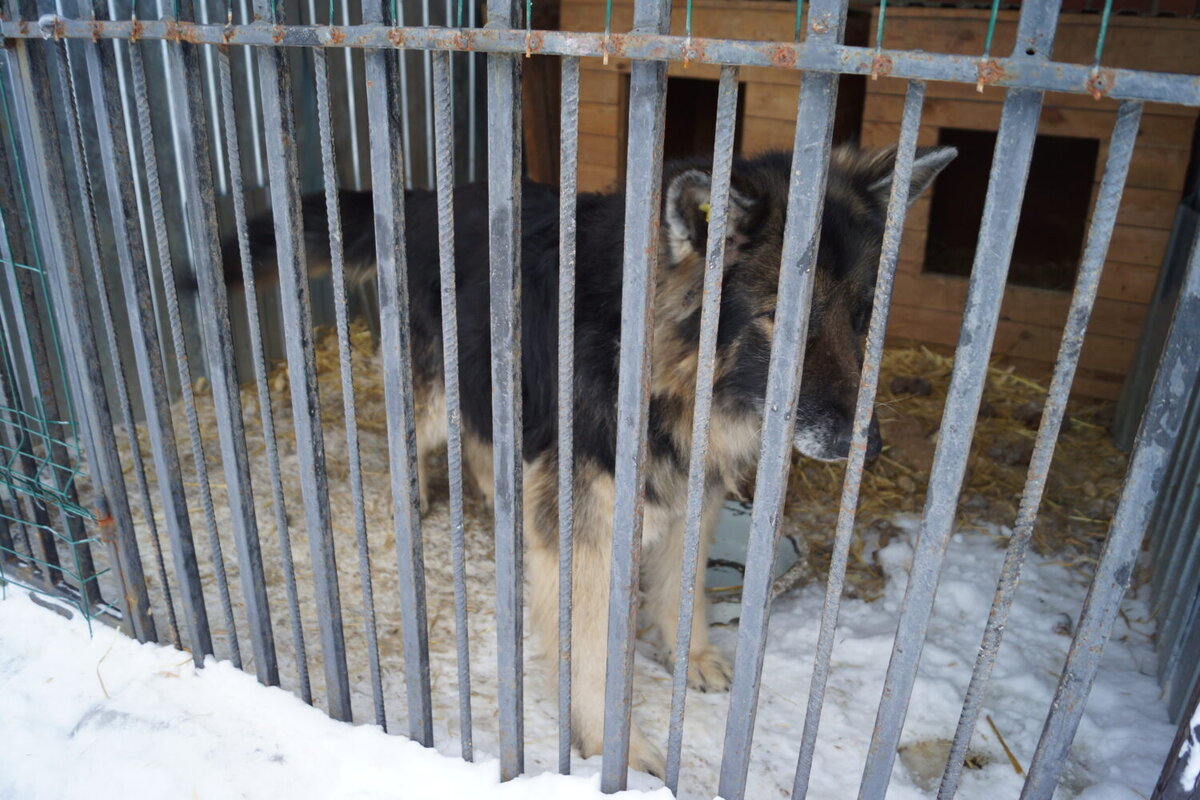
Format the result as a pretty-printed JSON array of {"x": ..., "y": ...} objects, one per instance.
[
  {"x": 1104, "y": 217},
  {"x": 472, "y": 124},
  {"x": 1178, "y": 780},
  {"x": 802, "y": 232},
  {"x": 86, "y": 185},
  {"x": 387, "y": 169},
  {"x": 131, "y": 259},
  {"x": 444, "y": 139},
  {"x": 569, "y": 170},
  {"x": 893, "y": 231},
  {"x": 401, "y": 57},
  {"x": 337, "y": 260},
  {"x": 356, "y": 166},
  {"x": 1178, "y": 564},
  {"x": 36, "y": 386},
  {"x": 1177, "y": 374},
  {"x": 1006, "y": 188},
  {"x": 277, "y": 103},
  {"x": 102, "y": 74},
  {"x": 1166, "y": 541},
  {"x": 647, "y": 110},
  {"x": 504, "y": 235},
  {"x": 56, "y": 241},
  {"x": 710, "y": 312},
  {"x": 266, "y": 414},
  {"x": 427, "y": 75}
]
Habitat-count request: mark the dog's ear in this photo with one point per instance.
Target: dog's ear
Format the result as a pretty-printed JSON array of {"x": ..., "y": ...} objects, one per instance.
[
  {"x": 688, "y": 204},
  {"x": 927, "y": 164}
]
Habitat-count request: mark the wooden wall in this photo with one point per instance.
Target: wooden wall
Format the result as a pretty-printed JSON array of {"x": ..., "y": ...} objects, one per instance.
[
  {"x": 769, "y": 95},
  {"x": 928, "y": 306}
]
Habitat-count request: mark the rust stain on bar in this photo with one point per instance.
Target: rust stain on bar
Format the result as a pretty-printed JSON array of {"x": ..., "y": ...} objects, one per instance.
[
  {"x": 784, "y": 56},
  {"x": 396, "y": 35},
  {"x": 881, "y": 66},
  {"x": 1101, "y": 83},
  {"x": 990, "y": 72}
]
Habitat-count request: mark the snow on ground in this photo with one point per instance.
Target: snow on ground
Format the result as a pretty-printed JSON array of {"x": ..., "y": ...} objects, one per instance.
[{"x": 107, "y": 717}]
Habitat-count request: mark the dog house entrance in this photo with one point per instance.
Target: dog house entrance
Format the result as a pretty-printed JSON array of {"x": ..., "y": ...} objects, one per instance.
[
  {"x": 1053, "y": 214},
  {"x": 691, "y": 125}
]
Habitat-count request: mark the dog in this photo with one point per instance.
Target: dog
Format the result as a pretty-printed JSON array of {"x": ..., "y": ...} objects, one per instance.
[{"x": 858, "y": 188}]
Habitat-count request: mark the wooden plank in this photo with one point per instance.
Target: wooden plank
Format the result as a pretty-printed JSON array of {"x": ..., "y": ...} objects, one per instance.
[
  {"x": 759, "y": 134},
  {"x": 603, "y": 85},
  {"x": 1161, "y": 45},
  {"x": 601, "y": 119},
  {"x": 769, "y": 101},
  {"x": 603, "y": 151},
  {"x": 1148, "y": 208},
  {"x": 739, "y": 19},
  {"x": 1158, "y": 130},
  {"x": 596, "y": 178},
  {"x": 1120, "y": 319},
  {"x": 1021, "y": 340},
  {"x": 994, "y": 94}
]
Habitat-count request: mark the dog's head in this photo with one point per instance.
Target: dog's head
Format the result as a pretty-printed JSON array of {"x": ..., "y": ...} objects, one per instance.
[{"x": 858, "y": 188}]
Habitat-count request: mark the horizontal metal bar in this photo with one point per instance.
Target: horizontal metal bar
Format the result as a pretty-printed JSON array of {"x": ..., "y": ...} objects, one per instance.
[{"x": 1047, "y": 76}]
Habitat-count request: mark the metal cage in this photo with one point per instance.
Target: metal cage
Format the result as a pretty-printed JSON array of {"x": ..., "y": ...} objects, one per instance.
[{"x": 73, "y": 202}]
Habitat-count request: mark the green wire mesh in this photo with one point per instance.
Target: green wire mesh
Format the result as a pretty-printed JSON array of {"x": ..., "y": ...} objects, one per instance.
[{"x": 43, "y": 545}]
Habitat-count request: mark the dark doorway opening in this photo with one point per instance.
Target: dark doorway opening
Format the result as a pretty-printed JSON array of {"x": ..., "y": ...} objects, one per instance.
[{"x": 1053, "y": 215}]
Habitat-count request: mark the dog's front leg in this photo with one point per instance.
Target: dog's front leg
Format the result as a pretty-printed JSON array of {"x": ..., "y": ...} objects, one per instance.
[
  {"x": 589, "y": 616},
  {"x": 708, "y": 670}
]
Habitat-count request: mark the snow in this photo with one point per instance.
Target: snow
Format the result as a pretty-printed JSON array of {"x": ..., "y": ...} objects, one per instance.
[
  {"x": 1189, "y": 753},
  {"x": 106, "y": 717}
]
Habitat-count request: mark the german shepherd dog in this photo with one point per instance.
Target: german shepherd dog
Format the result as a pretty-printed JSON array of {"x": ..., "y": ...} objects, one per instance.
[{"x": 857, "y": 192}]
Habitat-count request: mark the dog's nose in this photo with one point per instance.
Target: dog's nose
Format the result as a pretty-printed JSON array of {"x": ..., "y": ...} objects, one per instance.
[{"x": 845, "y": 435}]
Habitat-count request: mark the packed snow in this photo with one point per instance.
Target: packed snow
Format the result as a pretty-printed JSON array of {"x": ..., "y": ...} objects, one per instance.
[{"x": 103, "y": 716}]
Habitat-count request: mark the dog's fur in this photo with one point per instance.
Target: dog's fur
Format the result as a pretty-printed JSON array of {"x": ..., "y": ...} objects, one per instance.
[{"x": 858, "y": 187}]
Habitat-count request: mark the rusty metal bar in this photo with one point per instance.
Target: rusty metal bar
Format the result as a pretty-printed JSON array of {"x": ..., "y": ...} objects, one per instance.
[
  {"x": 809, "y": 56},
  {"x": 283, "y": 170},
  {"x": 802, "y": 235},
  {"x": 1108, "y": 200},
  {"x": 385, "y": 117}
]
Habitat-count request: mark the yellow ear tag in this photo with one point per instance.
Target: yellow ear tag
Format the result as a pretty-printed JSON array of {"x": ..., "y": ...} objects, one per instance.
[{"x": 707, "y": 209}]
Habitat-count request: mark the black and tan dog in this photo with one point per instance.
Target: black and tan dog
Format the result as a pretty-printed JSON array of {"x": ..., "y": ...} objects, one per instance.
[{"x": 858, "y": 187}]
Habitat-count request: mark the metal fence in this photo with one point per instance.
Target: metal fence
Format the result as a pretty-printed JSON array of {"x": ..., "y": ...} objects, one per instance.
[{"x": 71, "y": 198}]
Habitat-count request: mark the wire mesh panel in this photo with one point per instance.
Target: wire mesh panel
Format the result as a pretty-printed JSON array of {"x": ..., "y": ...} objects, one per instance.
[{"x": 600, "y": 370}]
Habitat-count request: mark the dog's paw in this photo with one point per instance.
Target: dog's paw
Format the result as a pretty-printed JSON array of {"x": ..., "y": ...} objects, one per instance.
[
  {"x": 644, "y": 755},
  {"x": 708, "y": 670}
]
